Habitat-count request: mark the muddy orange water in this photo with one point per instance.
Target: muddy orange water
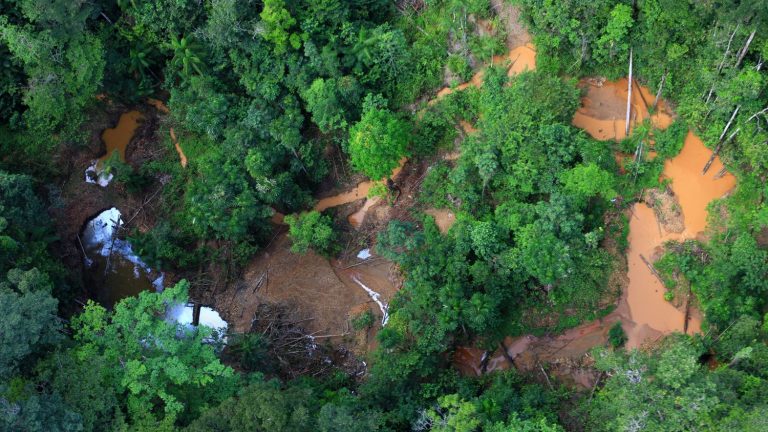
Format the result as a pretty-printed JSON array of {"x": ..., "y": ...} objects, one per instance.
[
  {"x": 645, "y": 296},
  {"x": 642, "y": 310},
  {"x": 693, "y": 190},
  {"x": 116, "y": 139},
  {"x": 603, "y": 115},
  {"x": 604, "y": 108},
  {"x": 176, "y": 144},
  {"x": 359, "y": 192}
]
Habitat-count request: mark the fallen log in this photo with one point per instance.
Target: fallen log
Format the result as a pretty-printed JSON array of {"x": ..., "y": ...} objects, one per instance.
[
  {"x": 717, "y": 151},
  {"x": 745, "y": 49},
  {"x": 653, "y": 270}
]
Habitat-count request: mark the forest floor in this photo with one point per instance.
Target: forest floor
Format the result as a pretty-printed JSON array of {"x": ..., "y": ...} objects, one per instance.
[
  {"x": 77, "y": 201},
  {"x": 326, "y": 294}
]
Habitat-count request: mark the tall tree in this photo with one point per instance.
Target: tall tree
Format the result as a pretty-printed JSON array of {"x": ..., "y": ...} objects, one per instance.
[
  {"x": 378, "y": 140},
  {"x": 166, "y": 372}
]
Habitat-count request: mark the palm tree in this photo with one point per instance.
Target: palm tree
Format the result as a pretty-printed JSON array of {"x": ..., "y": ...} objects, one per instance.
[{"x": 186, "y": 56}]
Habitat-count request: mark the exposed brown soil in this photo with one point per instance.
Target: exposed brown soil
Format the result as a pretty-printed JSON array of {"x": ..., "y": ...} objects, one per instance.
[
  {"x": 443, "y": 218},
  {"x": 517, "y": 34},
  {"x": 321, "y": 293}
]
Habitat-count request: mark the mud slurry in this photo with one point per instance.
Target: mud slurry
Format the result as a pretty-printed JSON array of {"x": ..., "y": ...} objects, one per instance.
[
  {"x": 604, "y": 107},
  {"x": 115, "y": 140},
  {"x": 644, "y": 313},
  {"x": 324, "y": 294}
]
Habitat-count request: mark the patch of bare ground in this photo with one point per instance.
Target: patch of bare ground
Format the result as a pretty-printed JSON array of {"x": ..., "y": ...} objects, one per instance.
[
  {"x": 324, "y": 295},
  {"x": 517, "y": 34},
  {"x": 667, "y": 209}
]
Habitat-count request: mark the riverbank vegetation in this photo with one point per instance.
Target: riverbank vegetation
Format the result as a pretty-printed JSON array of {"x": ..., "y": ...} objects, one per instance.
[{"x": 270, "y": 104}]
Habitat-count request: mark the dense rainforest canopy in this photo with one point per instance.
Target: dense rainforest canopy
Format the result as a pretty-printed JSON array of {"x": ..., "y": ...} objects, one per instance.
[{"x": 248, "y": 110}]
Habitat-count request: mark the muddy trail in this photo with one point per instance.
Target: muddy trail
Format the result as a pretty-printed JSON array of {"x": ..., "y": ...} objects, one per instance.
[{"x": 642, "y": 310}]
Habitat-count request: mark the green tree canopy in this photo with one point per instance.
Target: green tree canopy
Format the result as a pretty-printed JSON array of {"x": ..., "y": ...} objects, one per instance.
[
  {"x": 378, "y": 140},
  {"x": 310, "y": 230},
  {"x": 165, "y": 371}
]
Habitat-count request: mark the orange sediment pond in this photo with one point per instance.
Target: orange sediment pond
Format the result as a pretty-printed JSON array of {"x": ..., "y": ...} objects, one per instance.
[
  {"x": 695, "y": 191},
  {"x": 117, "y": 139},
  {"x": 644, "y": 313},
  {"x": 603, "y": 109},
  {"x": 648, "y": 310}
]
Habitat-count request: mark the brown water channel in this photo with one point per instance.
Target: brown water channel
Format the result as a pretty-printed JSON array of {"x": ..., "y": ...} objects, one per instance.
[
  {"x": 160, "y": 106},
  {"x": 644, "y": 313},
  {"x": 519, "y": 59}
]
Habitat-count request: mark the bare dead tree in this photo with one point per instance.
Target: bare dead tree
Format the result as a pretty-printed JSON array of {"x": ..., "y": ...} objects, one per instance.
[
  {"x": 744, "y": 50},
  {"x": 629, "y": 94},
  {"x": 727, "y": 49},
  {"x": 728, "y": 125},
  {"x": 658, "y": 92},
  {"x": 717, "y": 151}
]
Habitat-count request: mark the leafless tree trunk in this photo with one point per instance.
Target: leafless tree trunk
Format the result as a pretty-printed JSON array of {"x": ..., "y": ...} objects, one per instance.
[
  {"x": 629, "y": 94},
  {"x": 746, "y": 47},
  {"x": 717, "y": 151},
  {"x": 727, "y": 49},
  {"x": 728, "y": 125},
  {"x": 757, "y": 114},
  {"x": 658, "y": 93}
]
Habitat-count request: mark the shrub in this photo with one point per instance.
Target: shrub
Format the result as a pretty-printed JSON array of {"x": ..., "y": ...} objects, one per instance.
[
  {"x": 363, "y": 321},
  {"x": 311, "y": 230},
  {"x": 616, "y": 336}
]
